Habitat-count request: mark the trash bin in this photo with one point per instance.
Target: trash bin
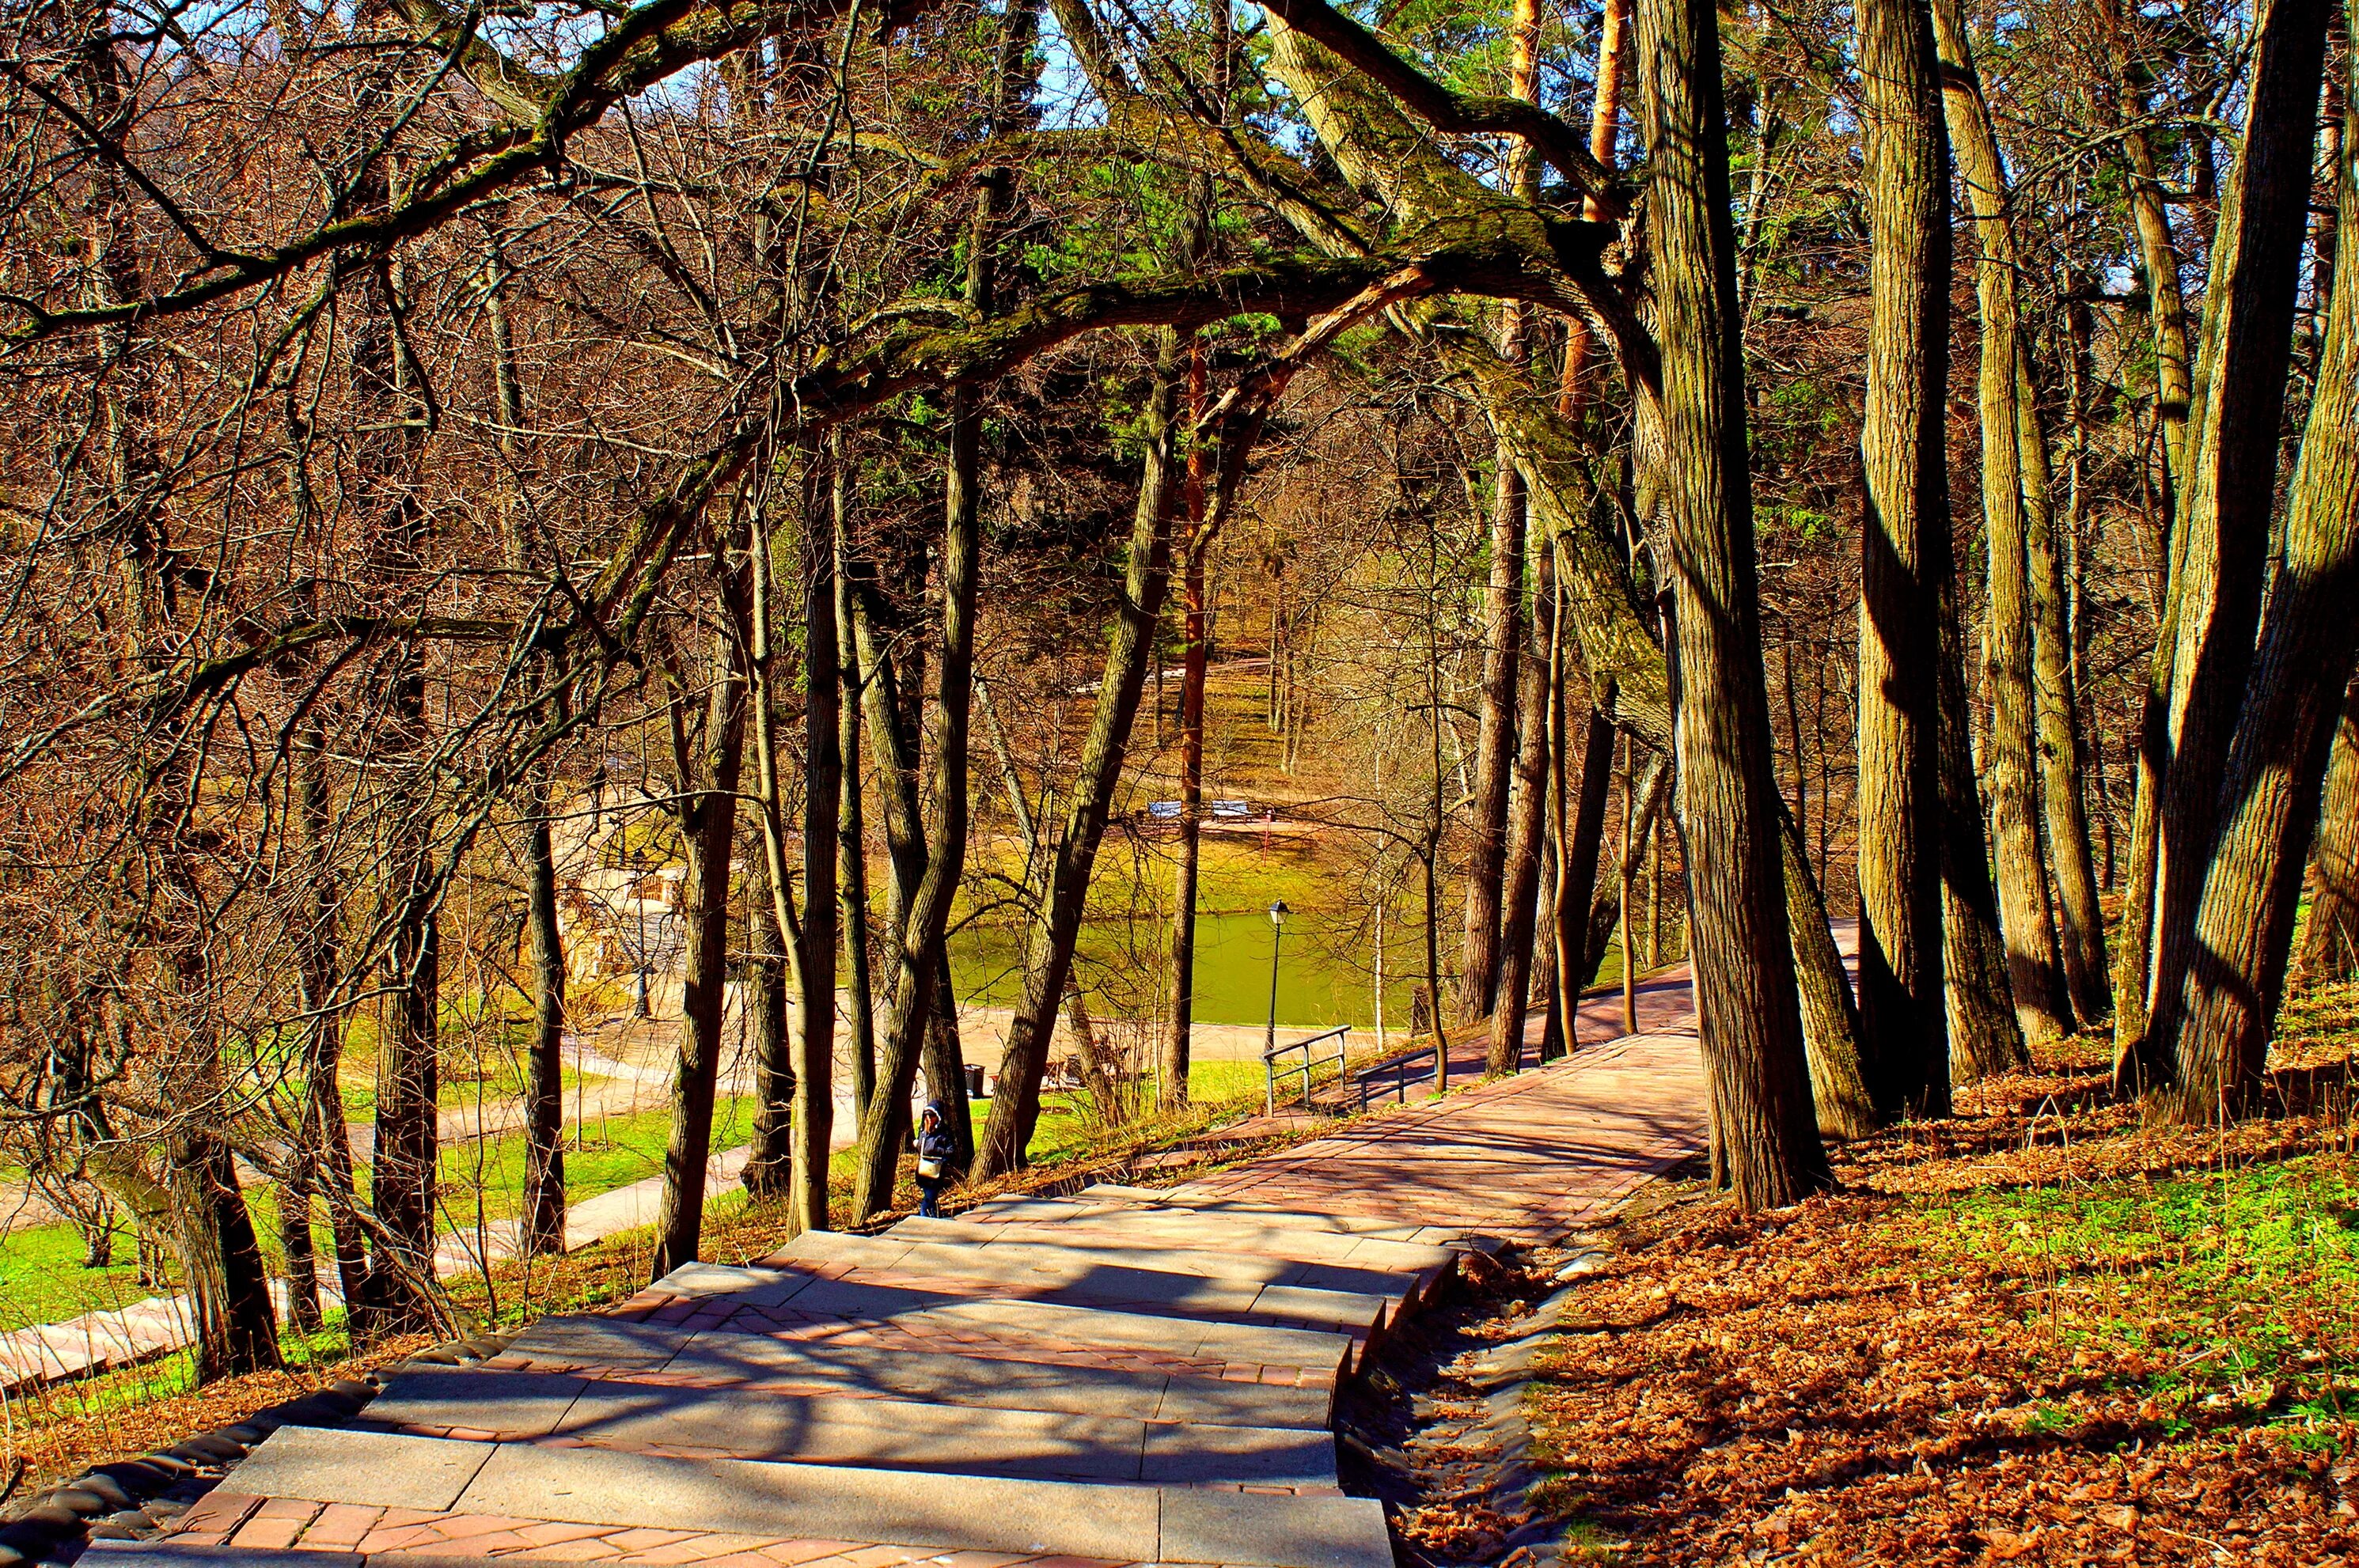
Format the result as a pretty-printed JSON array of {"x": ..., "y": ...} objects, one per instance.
[{"x": 974, "y": 1089}]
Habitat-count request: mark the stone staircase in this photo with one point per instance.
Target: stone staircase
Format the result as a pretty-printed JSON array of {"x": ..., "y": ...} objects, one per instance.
[{"x": 1119, "y": 1376}]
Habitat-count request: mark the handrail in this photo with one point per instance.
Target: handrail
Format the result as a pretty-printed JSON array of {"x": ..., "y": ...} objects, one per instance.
[
  {"x": 1397, "y": 1072},
  {"x": 1270, "y": 1068}
]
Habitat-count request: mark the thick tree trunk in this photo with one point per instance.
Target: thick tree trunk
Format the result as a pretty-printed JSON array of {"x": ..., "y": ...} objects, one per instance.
[
  {"x": 2330, "y": 947},
  {"x": 1905, "y": 548},
  {"x": 542, "y": 1223},
  {"x": 1986, "y": 1031},
  {"x": 1839, "y": 1092},
  {"x": 1728, "y": 808},
  {"x": 1057, "y": 917},
  {"x": 2216, "y": 1028},
  {"x": 2249, "y": 310},
  {"x": 707, "y": 813},
  {"x": 221, "y": 1262}
]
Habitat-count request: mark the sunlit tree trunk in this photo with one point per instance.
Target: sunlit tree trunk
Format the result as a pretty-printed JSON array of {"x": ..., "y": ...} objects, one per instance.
[
  {"x": 1905, "y": 560},
  {"x": 1728, "y": 807},
  {"x": 708, "y": 766},
  {"x": 2216, "y": 1028},
  {"x": 2330, "y": 947},
  {"x": 2249, "y": 310}
]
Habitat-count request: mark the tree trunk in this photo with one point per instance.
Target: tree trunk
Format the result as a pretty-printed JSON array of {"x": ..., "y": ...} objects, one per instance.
[
  {"x": 1728, "y": 808},
  {"x": 1178, "y": 1043},
  {"x": 2036, "y": 978},
  {"x": 2216, "y": 1028},
  {"x": 221, "y": 1262},
  {"x": 1576, "y": 887},
  {"x": 2080, "y": 919},
  {"x": 945, "y": 1064},
  {"x": 294, "y": 1242},
  {"x": 2330, "y": 947},
  {"x": 1985, "y": 1030},
  {"x": 1905, "y": 542},
  {"x": 769, "y": 1160},
  {"x": 2249, "y": 310},
  {"x": 1527, "y": 827},
  {"x": 1057, "y": 918},
  {"x": 814, "y": 1022},
  {"x": 542, "y": 1223},
  {"x": 1495, "y": 745},
  {"x": 707, "y": 813},
  {"x": 852, "y": 830},
  {"x": 1839, "y": 1093},
  {"x": 397, "y": 1292}
]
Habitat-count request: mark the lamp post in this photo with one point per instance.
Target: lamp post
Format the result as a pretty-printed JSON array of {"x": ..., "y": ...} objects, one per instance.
[
  {"x": 1277, "y": 914},
  {"x": 639, "y": 957}
]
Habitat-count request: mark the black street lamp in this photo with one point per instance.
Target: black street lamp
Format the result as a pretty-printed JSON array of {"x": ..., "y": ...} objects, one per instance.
[{"x": 1277, "y": 914}]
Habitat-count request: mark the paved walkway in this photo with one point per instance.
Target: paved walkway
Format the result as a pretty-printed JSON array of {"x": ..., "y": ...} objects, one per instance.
[{"x": 1125, "y": 1376}]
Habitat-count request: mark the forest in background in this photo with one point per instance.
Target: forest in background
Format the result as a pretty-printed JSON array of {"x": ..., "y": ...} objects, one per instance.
[{"x": 1895, "y": 460}]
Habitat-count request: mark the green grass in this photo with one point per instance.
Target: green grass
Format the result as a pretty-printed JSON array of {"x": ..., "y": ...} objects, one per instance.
[
  {"x": 486, "y": 1180},
  {"x": 2236, "y": 1293},
  {"x": 42, "y": 1278}
]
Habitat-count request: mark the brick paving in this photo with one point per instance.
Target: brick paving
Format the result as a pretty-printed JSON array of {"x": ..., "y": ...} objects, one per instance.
[{"x": 611, "y": 1438}]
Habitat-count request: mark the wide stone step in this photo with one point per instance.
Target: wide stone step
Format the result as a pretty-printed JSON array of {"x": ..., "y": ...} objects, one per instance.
[
  {"x": 952, "y": 1365},
  {"x": 700, "y": 1296},
  {"x": 1062, "y": 1247},
  {"x": 1116, "y": 1194},
  {"x": 1075, "y": 1275},
  {"x": 1075, "y": 1224},
  {"x": 828, "y": 1428},
  {"x": 452, "y": 1493}
]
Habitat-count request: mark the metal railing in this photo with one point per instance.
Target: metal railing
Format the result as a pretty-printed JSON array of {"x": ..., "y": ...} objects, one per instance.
[
  {"x": 1270, "y": 1068},
  {"x": 1396, "y": 1074}
]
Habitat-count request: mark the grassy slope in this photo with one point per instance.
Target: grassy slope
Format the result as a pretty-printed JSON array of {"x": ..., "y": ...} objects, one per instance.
[{"x": 2038, "y": 1332}]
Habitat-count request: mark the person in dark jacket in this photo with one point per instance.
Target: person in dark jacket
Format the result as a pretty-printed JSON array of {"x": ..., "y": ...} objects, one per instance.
[{"x": 936, "y": 1149}]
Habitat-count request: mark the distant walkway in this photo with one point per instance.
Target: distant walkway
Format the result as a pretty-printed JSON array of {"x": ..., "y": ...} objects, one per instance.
[
  {"x": 1527, "y": 1157},
  {"x": 51, "y": 1353}
]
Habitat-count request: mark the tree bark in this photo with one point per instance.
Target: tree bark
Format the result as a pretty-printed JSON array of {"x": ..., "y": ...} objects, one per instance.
[
  {"x": 2249, "y": 309},
  {"x": 1986, "y": 1031},
  {"x": 2079, "y": 918},
  {"x": 814, "y": 1022},
  {"x": 2216, "y": 1028},
  {"x": 707, "y": 814},
  {"x": 1495, "y": 744},
  {"x": 2330, "y": 949},
  {"x": 237, "y": 1332},
  {"x": 542, "y": 1223},
  {"x": 1905, "y": 540},
  {"x": 2036, "y": 978},
  {"x": 1528, "y": 830},
  {"x": 852, "y": 830},
  {"x": 1194, "y": 655},
  {"x": 769, "y": 1160},
  {"x": 1751, "y": 1021}
]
